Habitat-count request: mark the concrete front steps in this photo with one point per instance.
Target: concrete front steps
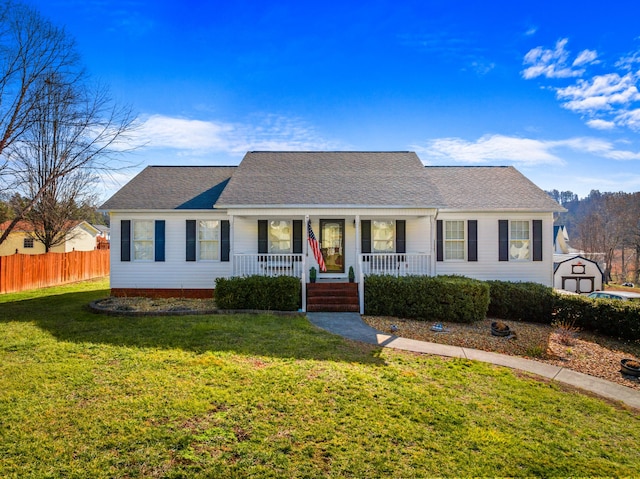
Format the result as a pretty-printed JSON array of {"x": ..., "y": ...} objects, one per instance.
[{"x": 332, "y": 297}]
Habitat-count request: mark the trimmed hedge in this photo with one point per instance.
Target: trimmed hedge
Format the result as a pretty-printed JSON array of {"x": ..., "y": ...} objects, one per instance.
[
  {"x": 280, "y": 293},
  {"x": 531, "y": 302},
  {"x": 610, "y": 317},
  {"x": 441, "y": 298}
]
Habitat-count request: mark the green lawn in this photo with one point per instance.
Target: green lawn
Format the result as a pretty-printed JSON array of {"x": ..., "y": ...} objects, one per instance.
[{"x": 85, "y": 395}]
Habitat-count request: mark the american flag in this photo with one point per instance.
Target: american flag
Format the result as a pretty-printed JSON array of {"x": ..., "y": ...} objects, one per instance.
[{"x": 315, "y": 247}]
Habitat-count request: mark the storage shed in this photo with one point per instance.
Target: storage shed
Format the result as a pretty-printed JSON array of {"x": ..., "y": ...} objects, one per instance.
[{"x": 576, "y": 274}]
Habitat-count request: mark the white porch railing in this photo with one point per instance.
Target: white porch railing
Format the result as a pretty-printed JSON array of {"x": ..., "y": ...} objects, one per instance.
[
  {"x": 396, "y": 264},
  {"x": 268, "y": 265}
]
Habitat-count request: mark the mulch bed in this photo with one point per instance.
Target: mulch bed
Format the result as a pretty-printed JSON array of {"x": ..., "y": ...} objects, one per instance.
[{"x": 579, "y": 351}]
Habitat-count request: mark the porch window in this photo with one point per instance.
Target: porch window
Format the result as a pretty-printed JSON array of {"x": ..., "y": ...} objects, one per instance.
[
  {"x": 519, "y": 240},
  {"x": 383, "y": 236},
  {"x": 209, "y": 240},
  {"x": 143, "y": 231},
  {"x": 454, "y": 240},
  {"x": 279, "y": 236}
]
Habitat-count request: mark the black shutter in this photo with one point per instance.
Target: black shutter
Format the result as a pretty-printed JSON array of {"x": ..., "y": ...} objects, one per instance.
[
  {"x": 125, "y": 240},
  {"x": 503, "y": 240},
  {"x": 439, "y": 241},
  {"x": 263, "y": 240},
  {"x": 401, "y": 236},
  {"x": 159, "y": 240},
  {"x": 472, "y": 242},
  {"x": 191, "y": 240},
  {"x": 297, "y": 236},
  {"x": 225, "y": 243},
  {"x": 537, "y": 240},
  {"x": 365, "y": 236}
]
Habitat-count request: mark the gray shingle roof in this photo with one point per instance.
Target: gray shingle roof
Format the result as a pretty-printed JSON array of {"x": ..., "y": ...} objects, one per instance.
[
  {"x": 488, "y": 188},
  {"x": 172, "y": 187},
  {"x": 365, "y": 179},
  {"x": 359, "y": 179}
]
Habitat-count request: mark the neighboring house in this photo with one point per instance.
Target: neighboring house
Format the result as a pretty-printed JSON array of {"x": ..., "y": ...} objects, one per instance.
[
  {"x": 177, "y": 228},
  {"x": 82, "y": 237},
  {"x": 104, "y": 232},
  {"x": 577, "y": 274}
]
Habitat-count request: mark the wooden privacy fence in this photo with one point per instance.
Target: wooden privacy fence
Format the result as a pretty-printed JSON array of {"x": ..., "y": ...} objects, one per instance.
[{"x": 20, "y": 272}]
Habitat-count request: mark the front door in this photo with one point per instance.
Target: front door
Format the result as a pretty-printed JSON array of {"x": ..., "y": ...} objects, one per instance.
[{"x": 332, "y": 244}]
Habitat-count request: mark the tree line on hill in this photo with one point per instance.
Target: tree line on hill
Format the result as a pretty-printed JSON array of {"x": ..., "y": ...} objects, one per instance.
[{"x": 606, "y": 225}]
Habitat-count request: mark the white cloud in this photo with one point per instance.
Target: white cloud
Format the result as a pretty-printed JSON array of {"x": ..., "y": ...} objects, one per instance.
[
  {"x": 490, "y": 148},
  {"x": 585, "y": 57},
  {"x": 553, "y": 63},
  {"x": 598, "y": 124},
  {"x": 265, "y": 132},
  {"x": 516, "y": 150},
  {"x": 599, "y": 93}
]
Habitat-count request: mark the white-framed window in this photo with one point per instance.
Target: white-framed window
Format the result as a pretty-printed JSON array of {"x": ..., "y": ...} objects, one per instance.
[
  {"x": 27, "y": 243},
  {"x": 280, "y": 236},
  {"x": 383, "y": 236},
  {"x": 454, "y": 240},
  {"x": 209, "y": 240},
  {"x": 519, "y": 240},
  {"x": 143, "y": 232}
]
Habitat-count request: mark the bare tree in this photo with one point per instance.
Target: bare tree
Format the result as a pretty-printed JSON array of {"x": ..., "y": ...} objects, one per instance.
[
  {"x": 75, "y": 132},
  {"x": 31, "y": 48},
  {"x": 604, "y": 229},
  {"x": 56, "y": 130}
]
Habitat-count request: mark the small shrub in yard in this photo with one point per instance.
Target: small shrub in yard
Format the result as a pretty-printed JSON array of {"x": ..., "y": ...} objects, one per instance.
[
  {"x": 441, "y": 298},
  {"x": 280, "y": 293},
  {"x": 614, "y": 318},
  {"x": 566, "y": 331},
  {"x": 531, "y": 302}
]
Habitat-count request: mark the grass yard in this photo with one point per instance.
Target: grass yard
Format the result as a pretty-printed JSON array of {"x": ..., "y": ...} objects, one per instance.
[{"x": 85, "y": 395}]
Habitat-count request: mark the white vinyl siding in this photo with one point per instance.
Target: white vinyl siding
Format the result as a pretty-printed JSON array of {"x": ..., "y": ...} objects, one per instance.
[
  {"x": 174, "y": 272},
  {"x": 488, "y": 267}
]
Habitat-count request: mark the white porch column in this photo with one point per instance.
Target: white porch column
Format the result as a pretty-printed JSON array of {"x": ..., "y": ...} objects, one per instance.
[{"x": 359, "y": 266}]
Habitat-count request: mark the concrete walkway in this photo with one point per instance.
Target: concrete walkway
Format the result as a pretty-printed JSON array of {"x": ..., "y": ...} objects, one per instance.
[{"x": 351, "y": 326}]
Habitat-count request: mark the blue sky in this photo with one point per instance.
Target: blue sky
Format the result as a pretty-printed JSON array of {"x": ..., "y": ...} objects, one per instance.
[{"x": 549, "y": 87}]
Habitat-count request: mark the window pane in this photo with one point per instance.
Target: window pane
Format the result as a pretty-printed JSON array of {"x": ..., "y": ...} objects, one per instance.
[
  {"x": 208, "y": 238},
  {"x": 519, "y": 241},
  {"x": 454, "y": 240},
  {"x": 454, "y": 250},
  {"x": 208, "y": 230},
  {"x": 209, "y": 250},
  {"x": 143, "y": 232},
  {"x": 279, "y": 237},
  {"x": 383, "y": 236},
  {"x": 143, "y": 250},
  {"x": 454, "y": 230}
]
